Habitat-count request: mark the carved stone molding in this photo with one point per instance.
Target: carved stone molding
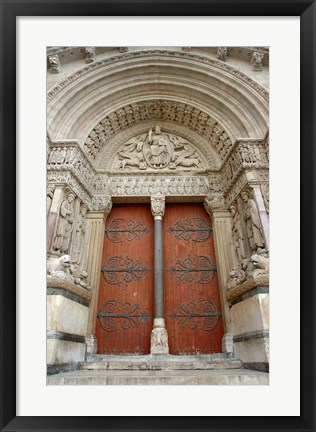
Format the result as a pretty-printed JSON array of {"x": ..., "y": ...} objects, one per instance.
[
  {"x": 166, "y": 185},
  {"x": 56, "y": 282},
  {"x": 53, "y": 92},
  {"x": 158, "y": 110},
  {"x": 157, "y": 205}
]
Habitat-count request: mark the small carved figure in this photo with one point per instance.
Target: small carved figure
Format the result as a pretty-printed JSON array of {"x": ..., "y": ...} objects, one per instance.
[
  {"x": 222, "y": 53},
  {"x": 54, "y": 63},
  {"x": 158, "y": 206},
  {"x": 79, "y": 275},
  {"x": 159, "y": 341},
  {"x": 90, "y": 54},
  {"x": 50, "y": 195},
  {"x": 237, "y": 233},
  {"x": 252, "y": 219},
  {"x": 256, "y": 61},
  {"x": 64, "y": 226}
]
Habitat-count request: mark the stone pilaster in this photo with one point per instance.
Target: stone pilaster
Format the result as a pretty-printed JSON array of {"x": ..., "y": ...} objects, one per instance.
[
  {"x": 264, "y": 219},
  {"x": 159, "y": 336},
  {"x": 93, "y": 261},
  {"x": 225, "y": 259}
]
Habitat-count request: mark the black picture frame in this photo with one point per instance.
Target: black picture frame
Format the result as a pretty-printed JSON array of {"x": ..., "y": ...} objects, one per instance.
[{"x": 9, "y": 11}]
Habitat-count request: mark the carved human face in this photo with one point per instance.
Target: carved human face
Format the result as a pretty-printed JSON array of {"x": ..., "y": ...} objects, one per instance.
[
  {"x": 158, "y": 130},
  {"x": 245, "y": 197},
  {"x": 70, "y": 197},
  {"x": 83, "y": 211},
  {"x": 232, "y": 210}
]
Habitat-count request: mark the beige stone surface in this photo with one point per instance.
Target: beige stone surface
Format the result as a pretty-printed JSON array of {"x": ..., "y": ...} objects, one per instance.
[
  {"x": 250, "y": 315},
  {"x": 227, "y": 377},
  {"x": 246, "y": 286},
  {"x": 66, "y": 316},
  {"x": 59, "y": 351},
  {"x": 253, "y": 350}
]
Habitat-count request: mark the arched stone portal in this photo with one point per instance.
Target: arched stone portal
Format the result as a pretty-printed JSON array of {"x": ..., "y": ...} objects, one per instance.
[{"x": 157, "y": 127}]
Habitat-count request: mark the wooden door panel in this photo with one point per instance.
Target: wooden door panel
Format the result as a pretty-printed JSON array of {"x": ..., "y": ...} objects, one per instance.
[
  {"x": 125, "y": 307},
  {"x": 192, "y": 303}
]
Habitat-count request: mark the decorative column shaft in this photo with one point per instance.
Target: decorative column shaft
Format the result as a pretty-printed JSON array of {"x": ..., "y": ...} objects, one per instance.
[
  {"x": 93, "y": 261},
  {"x": 159, "y": 336}
]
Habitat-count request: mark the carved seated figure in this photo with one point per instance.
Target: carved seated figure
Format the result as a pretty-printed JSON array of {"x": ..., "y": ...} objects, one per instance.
[{"x": 79, "y": 275}]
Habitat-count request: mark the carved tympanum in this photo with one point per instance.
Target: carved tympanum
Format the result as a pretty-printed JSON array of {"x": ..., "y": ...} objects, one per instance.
[{"x": 156, "y": 150}]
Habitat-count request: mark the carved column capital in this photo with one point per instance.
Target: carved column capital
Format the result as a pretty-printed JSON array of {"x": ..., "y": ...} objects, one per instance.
[
  {"x": 214, "y": 202},
  {"x": 103, "y": 204},
  {"x": 157, "y": 206}
]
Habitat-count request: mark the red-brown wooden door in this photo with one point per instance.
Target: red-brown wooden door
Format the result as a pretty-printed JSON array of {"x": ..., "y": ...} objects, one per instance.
[
  {"x": 192, "y": 303},
  {"x": 125, "y": 307}
]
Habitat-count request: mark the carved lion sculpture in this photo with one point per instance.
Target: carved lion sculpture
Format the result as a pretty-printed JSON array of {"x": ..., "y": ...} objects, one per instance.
[
  {"x": 60, "y": 267},
  {"x": 236, "y": 277},
  {"x": 261, "y": 264}
]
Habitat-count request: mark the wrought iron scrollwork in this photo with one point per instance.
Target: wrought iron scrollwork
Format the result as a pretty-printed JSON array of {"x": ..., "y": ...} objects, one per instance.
[
  {"x": 190, "y": 315},
  {"x": 195, "y": 228},
  {"x": 117, "y": 268},
  {"x": 199, "y": 269},
  {"x": 127, "y": 315},
  {"x": 121, "y": 229}
]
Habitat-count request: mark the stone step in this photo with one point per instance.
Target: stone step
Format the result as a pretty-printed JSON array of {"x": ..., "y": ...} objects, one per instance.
[
  {"x": 160, "y": 377},
  {"x": 160, "y": 362}
]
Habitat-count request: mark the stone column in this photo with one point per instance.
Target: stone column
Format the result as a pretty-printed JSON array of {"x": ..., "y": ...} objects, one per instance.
[
  {"x": 225, "y": 260},
  {"x": 52, "y": 216},
  {"x": 159, "y": 336},
  {"x": 93, "y": 261},
  {"x": 264, "y": 219}
]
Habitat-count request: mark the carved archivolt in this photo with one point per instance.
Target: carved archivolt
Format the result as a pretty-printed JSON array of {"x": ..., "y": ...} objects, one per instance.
[{"x": 164, "y": 110}]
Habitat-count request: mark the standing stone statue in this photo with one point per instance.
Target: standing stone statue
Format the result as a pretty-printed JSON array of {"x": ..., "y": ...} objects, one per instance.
[
  {"x": 252, "y": 219},
  {"x": 79, "y": 232},
  {"x": 64, "y": 226},
  {"x": 158, "y": 149},
  {"x": 237, "y": 233}
]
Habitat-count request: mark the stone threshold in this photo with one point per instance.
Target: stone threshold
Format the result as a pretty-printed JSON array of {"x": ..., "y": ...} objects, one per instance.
[
  {"x": 160, "y": 362},
  {"x": 159, "y": 377}
]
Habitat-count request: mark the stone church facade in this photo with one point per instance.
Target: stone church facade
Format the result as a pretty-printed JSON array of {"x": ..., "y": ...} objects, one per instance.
[{"x": 158, "y": 212}]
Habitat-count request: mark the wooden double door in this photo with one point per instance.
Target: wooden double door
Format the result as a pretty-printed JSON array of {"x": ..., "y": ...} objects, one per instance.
[{"x": 126, "y": 296}]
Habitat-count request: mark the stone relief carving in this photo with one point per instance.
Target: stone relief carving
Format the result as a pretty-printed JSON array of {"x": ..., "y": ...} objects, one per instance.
[
  {"x": 64, "y": 225},
  {"x": 60, "y": 267},
  {"x": 163, "y": 110},
  {"x": 237, "y": 233},
  {"x": 222, "y": 53},
  {"x": 54, "y": 63},
  {"x": 157, "y": 150},
  {"x": 256, "y": 61},
  {"x": 251, "y": 216},
  {"x": 90, "y": 54},
  {"x": 260, "y": 261},
  {"x": 102, "y": 203},
  {"x": 236, "y": 276},
  {"x": 265, "y": 195},
  {"x": 78, "y": 236},
  {"x": 50, "y": 196},
  {"x": 214, "y": 202},
  {"x": 158, "y": 205},
  {"x": 159, "y": 338},
  {"x": 134, "y": 54},
  {"x": 63, "y": 268},
  {"x": 67, "y": 178},
  {"x": 146, "y": 186}
]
